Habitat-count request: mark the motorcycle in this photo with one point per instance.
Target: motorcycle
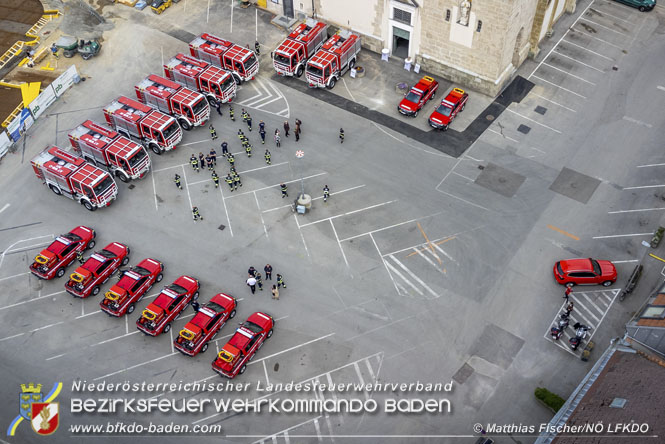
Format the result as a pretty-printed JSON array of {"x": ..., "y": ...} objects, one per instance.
[
  {"x": 580, "y": 334},
  {"x": 557, "y": 330}
]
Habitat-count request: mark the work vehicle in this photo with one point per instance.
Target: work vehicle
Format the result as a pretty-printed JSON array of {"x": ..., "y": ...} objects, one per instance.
[
  {"x": 642, "y": 5},
  {"x": 159, "y": 6},
  {"x": 133, "y": 284},
  {"x": 448, "y": 109},
  {"x": 188, "y": 107},
  {"x": 99, "y": 145},
  {"x": 96, "y": 270},
  {"x": 68, "y": 175},
  {"x": 290, "y": 57},
  {"x": 71, "y": 46},
  {"x": 215, "y": 83},
  {"x": 139, "y": 122},
  {"x": 248, "y": 339},
  {"x": 205, "y": 325},
  {"x": 54, "y": 259},
  {"x": 333, "y": 60},
  {"x": 418, "y": 96},
  {"x": 168, "y": 306},
  {"x": 585, "y": 272},
  {"x": 242, "y": 62}
]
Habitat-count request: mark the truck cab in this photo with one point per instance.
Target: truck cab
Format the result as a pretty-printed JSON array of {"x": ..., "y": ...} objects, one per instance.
[
  {"x": 448, "y": 109},
  {"x": 96, "y": 270},
  {"x": 121, "y": 299},
  {"x": 205, "y": 325},
  {"x": 53, "y": 260},
  {"x": 215, "y": 83},
  {"x": 223, "y": 54},
  {"x": 167, "y": 307},
  {"x": 418, "y": 96},
  {"x": 290, "y": 57}
]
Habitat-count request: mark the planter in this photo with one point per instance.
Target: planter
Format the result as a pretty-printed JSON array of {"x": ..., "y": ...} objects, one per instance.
[
  {"x": 360, "y": 71},
  {"x": 401, "y": 88}
]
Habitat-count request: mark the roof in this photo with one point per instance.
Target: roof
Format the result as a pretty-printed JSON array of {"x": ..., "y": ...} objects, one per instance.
[
  {"x": 58, "y": 161},
  {"x": 659, "y": 300},
  {"x": 214, "y": 45},
  {"x": 158, "y": 86},
  {"x": 93, "y": 134},
  {"x": 307, "y": 31},
  {"x": 124, "y": 148},
  {"x": 289, "y": 47},
  {"x": 187, "y": 65}
]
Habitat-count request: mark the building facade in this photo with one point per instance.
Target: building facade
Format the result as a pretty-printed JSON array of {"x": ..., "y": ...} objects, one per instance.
[{"x": 474, "y": 43}]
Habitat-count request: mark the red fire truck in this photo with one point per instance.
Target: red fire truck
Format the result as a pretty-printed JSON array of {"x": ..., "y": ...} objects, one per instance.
[
  {"x": 137, "y": 121},
  {"x": 101, "y": 146},
  {"x": 53, "y": 260},
  {"x": 96, "y": 270},
  {"x": 223, "y": 54},
  {"x": 333, "y": 60},
  {"x": 71, "y": 176},
  {"x": 215, "y": 83},
  {"x": 291, "y": 55},
  {"x": 188, "y": 107}
]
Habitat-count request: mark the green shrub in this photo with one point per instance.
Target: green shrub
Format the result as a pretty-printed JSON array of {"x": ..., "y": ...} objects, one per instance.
[{"x": 552, "y": 400}]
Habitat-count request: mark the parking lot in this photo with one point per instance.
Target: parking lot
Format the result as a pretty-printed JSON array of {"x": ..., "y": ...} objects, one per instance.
[{"x": 420, "y": 267}]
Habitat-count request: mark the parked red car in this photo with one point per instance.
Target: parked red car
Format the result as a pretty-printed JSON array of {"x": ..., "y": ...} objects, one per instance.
[
  {"x": 206, "y": 324},
  {"x": 448, "y": 109},
  {"x": 96, "y": 270},
  {"x": 53, "y": 261},
  {"x": 168, "y": 306},
  {"x": 585, "y": 272},
  {"x": 133, "y": 284},
  {"x": 249, "y": 338},
  {"x": 418, "y": 96}
]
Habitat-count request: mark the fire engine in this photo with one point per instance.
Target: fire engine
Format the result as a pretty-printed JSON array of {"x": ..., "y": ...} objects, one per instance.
[
  {"x": 168, "y": 306},
  {"x": 206, "y": 324},
  {"x": 101, "y": 146},
  {"x": 133, "y": 284},
  {"x": 140, "y": 122},
  {"x": 249, "y": 338},
  {"x": 188, "y": 107},
  {"x": 215, "y": 83},
  {"x": 95, "y": 271},
  {"x": 223, "y": 54},
  {"x": 291, "y": 55},
  {"x": 52, "y": 261},
  {"x": 452, "y": 105},
  {"x": 333, "y": 60},
  {"x": 71, "y": 176}
]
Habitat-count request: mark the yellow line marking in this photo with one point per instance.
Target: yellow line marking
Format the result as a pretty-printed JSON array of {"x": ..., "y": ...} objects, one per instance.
[
  {"x": 565, "y": 233},
  {"x": 428, "y": 242},
  {"x": 435, "y": 243},
  {"x": 656, "y": 257}
]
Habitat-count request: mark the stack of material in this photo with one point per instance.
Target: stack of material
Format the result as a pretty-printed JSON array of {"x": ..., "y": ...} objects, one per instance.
[{"x": 127, "y": 2}]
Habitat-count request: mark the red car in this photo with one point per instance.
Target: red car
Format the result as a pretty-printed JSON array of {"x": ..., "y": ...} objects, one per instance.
[
  {"x": 99, "y": 267},
  {"x": 52, "y": 261},
  {"x": 453, "y": 104},
  {"x": 133, "y": 284},
  {"x": 168, "y": 306},
  {"x": 418, "y": 96},
  {"x": 585, "y": 272},
  {"x": 248, "y": 339},
  {"x": 206, "y": 324}
]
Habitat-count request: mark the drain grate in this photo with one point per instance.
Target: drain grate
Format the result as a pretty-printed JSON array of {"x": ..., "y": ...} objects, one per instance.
[
  {"x": 541, "y": 110},
  {"x": 131, "y": 186},
  {"x": 524, "y": 129},
  {"x": 221, "y": 227}
]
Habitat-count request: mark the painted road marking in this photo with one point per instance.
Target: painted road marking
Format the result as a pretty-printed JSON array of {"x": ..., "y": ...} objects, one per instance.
[
  {"x": 556, "y": 103},
  {"x": 622, "y": 235},
  {"x": 534, "y": 121},
  {"x": 429, "y": 244},
  {"x": 637, "y": 122},
  {"x": 603, "y": 26},
  {"x": 565, "y": 233},
  {"x": 635, "y": 211},
  {"x": 662, "y": 88},
  {"x": 413, "y": 276},
  {"x": 559, "y": 86},
  {"x": 502, "y": 135},
  {"x": 581, "y": 63},
  {"x": 588, "y": 50},
  {"x": 569, "y": 74},
  {"x": 651, "y": 165}
]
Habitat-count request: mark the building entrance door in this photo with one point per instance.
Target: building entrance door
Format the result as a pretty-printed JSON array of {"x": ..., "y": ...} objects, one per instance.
[
  {"x": 400, "y": 42},
  {"x": 288, "y": 8}
]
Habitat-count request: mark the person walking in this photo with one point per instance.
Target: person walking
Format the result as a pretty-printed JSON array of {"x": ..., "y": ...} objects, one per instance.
[
  {"x": 244, "y": 115},
  {"x": 209, "y": 162},
  {"x": 176, "y": 179},
  {"x": 251, "y": 271},
  {"x": 257, "y": 48},
  {"x": 231, "y": 113},
  {"x": 236, "y": 180},
  {"x": 266, "y": 155},
  {"x": 262, "y": 125},
  {"x": 283, "y": 188},
  {"x": 569, "y": 308},
  {"x": 286, "y": 128},
  {"x": 196, "y": 305},
  {"x": 218, "y": 107},
  {"x": 567, "y": 293},
  {"x": 213, "y": 156},
  {"x": 259, "y": 280},
  {"x": 213, "y": 132},
  {"x": 230, "y": 158},
  {"x": 248, "y": 148},
  {"x": 241, "y": 135},
  {"x": 296, "y": 132},
  {"x": 341, "y": 135},
  {"x": 278, "y": 139},
  {"x": 225, "y": 148},
  {"x": 326, "y": 193},
  {"x": 79, "y": 257},
  {"x": 54, "y": 51},
  {"x": 196, "y": 214},
  {"x": 229, "y": 180},
  {"x": 202, "y": 160},
  {"x": 262, "y": 133},
  {"x": 280, "y": 281},
  {"x": 195, "y": 163},
  {"x": 275, "y": 292},
  {"x": 251, "y": 283},
  {"x": 268, "y": 271},
  {"x": 298, "y": 124},
  {"x": 249, "y": 121},
  {"x": 215, "y": 178}
]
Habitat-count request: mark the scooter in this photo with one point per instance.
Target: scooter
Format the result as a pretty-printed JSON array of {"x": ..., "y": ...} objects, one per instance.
[
  {"x": 557, "y": 330},
  {"x": 580, "y": 334}
]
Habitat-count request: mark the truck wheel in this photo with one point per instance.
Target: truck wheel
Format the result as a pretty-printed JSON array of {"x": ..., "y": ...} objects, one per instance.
[
  {"x": 185, "y": 124},
  {"x": 60, "y": 273},
  {"x": 91, "y": 245},
  {"x": 352, "y": 63},
  {"x": 160, "y": 276},
  {"x": 299, "y": 71},
  {"x": 88, "y": 206},
  {"x": 237, "y": 79},
  {"x": 131, "y": 308},
  {"x": 445, "y": 128},
  {"x": 212, "y": 101},
  {"x": 155, "y": 149},
  {"x": 232, "y": 314},
  {"x": 125, "y": 261},
  {"x": 415, "y": 114},
  {"x": 332, "y": 83},
  {"x": 55, "y": 189},
  {"x": 95, "y": 291},
  {"x": 242, "y": 369},
  {"x": 462, "y": 108},
  {"x": 167, "y": 328},
  {"x": 642, "y": 8},
  {"x": 122, "y": 176},
  {"x": 269, "y": 333},
  {"x": 204, "y": 348}
]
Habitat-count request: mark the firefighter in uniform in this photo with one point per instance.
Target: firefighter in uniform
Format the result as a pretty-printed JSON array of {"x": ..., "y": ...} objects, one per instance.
[
  {"x": 213, "y": 156},
  {"x": 326, "y": 193},
  {"x": 259, "y": 280},
  {"x": 79, "y": 257},
  {"x": 176, "y": 179},
  {"x": 229, "y": 180},
  {"x": 231, "y": 113},
  {"x": 341, "y": 135},
  {"x": 283, "y": 188},
  {"x": 280, "y": 281},
  {"x": 262, "y": 133},
  {"x": 215, "y": 178},
  {"x": 236, "y": 180},
  {"x": 230, "y": 158},
  {"x": 257, "y": 48},
  {"x": 225, "y": 148},
  {"x": 244, "y": 115},
  {"x": 213, "y": 132},
  {"x": 202, "y": 160},
  {"x": 197, "y": 216},
  {"x": 248, "y": 148},
  {"x": 209, "y": 162},
  {"x": 241, "y": 135},
  {"x": 249, "y": 121},
  {"x": 195, "y": 162},
  {"x": 267, "y": 156}
]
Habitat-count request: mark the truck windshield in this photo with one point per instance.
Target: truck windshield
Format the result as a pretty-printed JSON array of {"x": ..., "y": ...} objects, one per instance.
[
  {"x": 198, "y": 106},
  {"x": 279, "y": 58},
  {"x": 252, "y": 327},
  {"x": 251, "y": 60},
  {"x": 137, "y": 158},
  {"x": 413, "y": 97},
  {"x": 443, "y": 109},
  {"x": 314, "y": 70},
  {"x": 170, "y": 130},
  {"x": 103, "y": 186},
  {"x": 227, "y": 83}
]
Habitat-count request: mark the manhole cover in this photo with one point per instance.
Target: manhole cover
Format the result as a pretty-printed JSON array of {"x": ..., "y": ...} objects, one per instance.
[
  {"x": 489, "y": 117},
  {"x": 541, "y": 110},
  {"x": 221, "y": 227},
  {"x": 524, "y": 129},
  {"x": 131, "y": 187}
]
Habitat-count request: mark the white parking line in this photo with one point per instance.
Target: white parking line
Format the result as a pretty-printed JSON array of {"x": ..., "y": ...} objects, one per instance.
[
  {"x": 134, "y": 366},
  {"x": 33, "y": 330},
  {"x": 559, "y": 86},
  {"x": 622, "y": 235},
  {"x": 338, "y": 243},
  {"x": 15, "y": 275},
  {"x": 502, "y": 135},
  {"x": 348, "y": 213},
  {"x": 603, "y": 26},
  {"x": 600, "y": 40},
  {"x": 662, "y": 88},
  {"x": 276, "y": 185},
  {"x": 588, "y": 50},
  {"x": 414, "y": 276},
  {"x": 113, "y": 339},
  {"x": 31, "y": 300},
  {"x": 556, "y": 103},
  {"x": 651, "y": 165},
  {"x": 605, "y": 13},
  {"x": 292, "y": 348},
  {"x": 154, "y": 188},
  {"x": 577, "y": 61},
  {"x": 628, "y": 261},
  {"x": 401, "y": 276},
  {"x": 643, "y": 186},
  {"x": 263, "y": 222},
  {"x": 184, "y": 175},
  {"x": 569, "y": 74},
  {"x": 8, "y": 249},
  {"x": 637, "y": 122},
  {"x": 317, "y": 198},
  {"x": 631, "y": 211},
  {"x": 169, "y": 168},
  {"x": 226, "y": 211}
]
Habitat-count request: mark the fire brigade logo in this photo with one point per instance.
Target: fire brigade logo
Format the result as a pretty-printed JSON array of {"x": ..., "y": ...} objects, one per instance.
[{"x": 40, "y": 410}]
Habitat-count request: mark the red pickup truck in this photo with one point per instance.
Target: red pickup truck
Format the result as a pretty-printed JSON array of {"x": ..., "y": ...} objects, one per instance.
[
  {"x": 52, "y": 261},
  {"x": 131, "y": 287},
  {"x": 168, "y": 306},
  {"x": 453, "y": 104},
  {"x": 418, "y": 96},
  {"x": 99, "y": 267},
  {"x": 206, "y": 324}
]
